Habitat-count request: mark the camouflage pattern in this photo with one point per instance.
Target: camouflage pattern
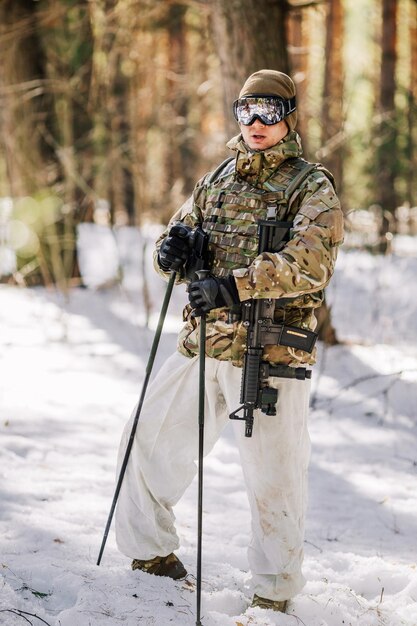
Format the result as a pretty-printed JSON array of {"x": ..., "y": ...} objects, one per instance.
[
  {"x": 232, "y": 211},
  {"x": 228, "y": 208}
]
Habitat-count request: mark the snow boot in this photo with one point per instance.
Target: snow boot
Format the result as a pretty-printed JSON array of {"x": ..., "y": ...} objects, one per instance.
[
  {"x": 265, "y": 603},
  {"x": 169, "y": 566}
]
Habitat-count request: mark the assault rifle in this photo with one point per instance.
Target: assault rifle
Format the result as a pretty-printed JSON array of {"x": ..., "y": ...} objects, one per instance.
[{"x": 258, "y": 317}]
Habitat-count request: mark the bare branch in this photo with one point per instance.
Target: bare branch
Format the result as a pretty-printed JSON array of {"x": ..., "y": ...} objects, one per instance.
[
  {"x": 16, "y": 612},
  {"x": 23, "y": 615}
]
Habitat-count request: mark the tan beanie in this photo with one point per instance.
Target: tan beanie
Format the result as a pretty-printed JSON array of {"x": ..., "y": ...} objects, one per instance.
[{"x": 271, "y": 83}]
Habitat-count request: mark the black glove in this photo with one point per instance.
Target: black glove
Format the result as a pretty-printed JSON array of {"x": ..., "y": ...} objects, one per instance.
[
  {"x": 174, "y": 250},
  {"x": 212, "y": 293}
]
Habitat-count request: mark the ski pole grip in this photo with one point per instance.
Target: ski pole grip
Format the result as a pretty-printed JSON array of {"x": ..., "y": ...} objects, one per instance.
[{"x": 202, "y": 274}]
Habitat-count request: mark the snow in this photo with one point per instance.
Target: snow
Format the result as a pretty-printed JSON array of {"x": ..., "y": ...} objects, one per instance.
[{"x": 71, "y": 370}]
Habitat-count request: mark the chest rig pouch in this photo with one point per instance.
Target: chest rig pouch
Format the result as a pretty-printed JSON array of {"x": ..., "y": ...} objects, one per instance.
[
  {"x": 234, "y": 209},
  {"x": 242, "y": 221}
]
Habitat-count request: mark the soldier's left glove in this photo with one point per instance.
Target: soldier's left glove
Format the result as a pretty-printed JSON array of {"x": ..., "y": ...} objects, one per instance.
[
  {"x": 212, "y": 293},
  {"x": 175, "y": 248}
]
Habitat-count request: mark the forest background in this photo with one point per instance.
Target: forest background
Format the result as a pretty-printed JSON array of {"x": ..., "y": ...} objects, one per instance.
[{"x": 110, "y": 110}]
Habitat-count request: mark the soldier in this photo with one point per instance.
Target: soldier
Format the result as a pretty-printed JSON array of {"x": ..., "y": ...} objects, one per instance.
[{"x": 266, "y": 174}]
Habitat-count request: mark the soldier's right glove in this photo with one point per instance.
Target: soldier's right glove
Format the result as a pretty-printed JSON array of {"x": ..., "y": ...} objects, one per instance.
[{"x": 175, "y": 248}]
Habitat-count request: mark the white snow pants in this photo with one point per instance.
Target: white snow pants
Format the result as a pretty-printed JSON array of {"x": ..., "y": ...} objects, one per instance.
[{"x": 274, "y": 461}]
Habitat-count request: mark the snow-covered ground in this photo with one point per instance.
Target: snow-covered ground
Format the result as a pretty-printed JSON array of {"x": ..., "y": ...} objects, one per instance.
[{"x": 71, "y": 372}]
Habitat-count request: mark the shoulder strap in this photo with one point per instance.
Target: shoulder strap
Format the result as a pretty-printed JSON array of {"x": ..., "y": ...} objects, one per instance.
[
  {"x": 326, "y": 172},
  {"x": 304, "y": 172},
  {"x": 293, "y": 172},
  {"x": 223, "y": 169},
  {"x": 293, "y": 187}
]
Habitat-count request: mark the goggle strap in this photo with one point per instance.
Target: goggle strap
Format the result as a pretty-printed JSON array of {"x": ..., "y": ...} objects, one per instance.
[{"x": 289, "y": 106}]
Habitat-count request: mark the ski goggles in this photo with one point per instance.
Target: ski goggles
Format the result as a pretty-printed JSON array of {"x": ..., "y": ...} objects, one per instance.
[{"x": 267, "y": 109}]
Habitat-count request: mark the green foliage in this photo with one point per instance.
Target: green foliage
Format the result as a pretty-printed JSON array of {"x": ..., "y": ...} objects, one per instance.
[{"x": 43, "y": 240}]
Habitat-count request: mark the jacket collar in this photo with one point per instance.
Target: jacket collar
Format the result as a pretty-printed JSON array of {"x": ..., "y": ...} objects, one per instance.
[{"x": 257, "y": 166}]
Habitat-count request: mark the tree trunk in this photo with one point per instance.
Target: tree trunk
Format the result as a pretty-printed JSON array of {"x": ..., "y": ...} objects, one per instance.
[
  {"x": 412, "y": 110},
  {"x": 332, "y": 105},
  {"x": 250, "y": 35},
  {"x": 299, "y": 42},
  {"x": 180, "y": 156},
  {"x": 65, "y": 33},
  {"x": 387, "y": 140},
  {"x": 26, "y": 104},
  {"x": 109, "y": 106},
  {"x": 332, "y": 123}
]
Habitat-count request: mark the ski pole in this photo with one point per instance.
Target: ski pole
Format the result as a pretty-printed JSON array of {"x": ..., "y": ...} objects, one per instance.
[
  {"x": 149, "y": 366},
  {"x": 201, "y": 398}
]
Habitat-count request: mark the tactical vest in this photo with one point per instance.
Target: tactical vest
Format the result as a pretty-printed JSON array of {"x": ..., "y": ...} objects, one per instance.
[{"x": 233, "y": 208}]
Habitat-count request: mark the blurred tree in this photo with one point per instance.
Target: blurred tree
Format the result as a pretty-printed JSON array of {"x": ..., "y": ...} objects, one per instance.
[
  {"x": 67, "y": 46},
  {"x": 411, "y": 193},
  {"x": 114, "y": 25},
  {"x": 332, "y": 116},
  {"x": 26, "y": 109},
  {"x": 37, "y": 152},
  {"x": 386, "y": 155},
  {"x": 175, "y": 116},
  {"x": 249, "y": 35},
  {"x": 180, "y": 155},
  {"x": 299, "y": 44}
]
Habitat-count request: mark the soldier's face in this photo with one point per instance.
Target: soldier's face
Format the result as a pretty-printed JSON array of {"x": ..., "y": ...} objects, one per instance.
[{"x": 259, "y": 136}]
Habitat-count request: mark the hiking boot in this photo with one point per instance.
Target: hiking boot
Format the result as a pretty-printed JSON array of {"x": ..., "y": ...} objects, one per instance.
[
  {"x": 265, "y": 603},
  {"x": 169, "y": 566}
]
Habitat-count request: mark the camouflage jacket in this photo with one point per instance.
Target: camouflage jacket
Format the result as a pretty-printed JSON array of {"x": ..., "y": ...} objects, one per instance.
[{"x": 228, "y": 207}]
